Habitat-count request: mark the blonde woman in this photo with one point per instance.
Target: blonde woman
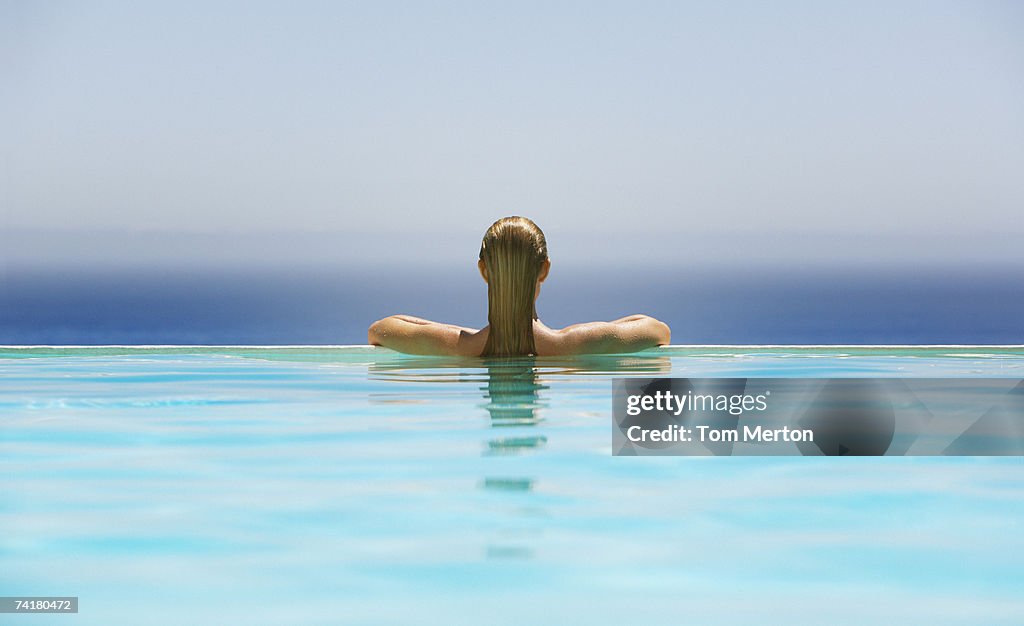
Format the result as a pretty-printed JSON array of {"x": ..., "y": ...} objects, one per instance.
[{"x": 514, "y": 262}]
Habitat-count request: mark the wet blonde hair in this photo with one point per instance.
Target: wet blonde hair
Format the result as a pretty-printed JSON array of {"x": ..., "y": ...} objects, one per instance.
[{"x": 513, "y": 251}]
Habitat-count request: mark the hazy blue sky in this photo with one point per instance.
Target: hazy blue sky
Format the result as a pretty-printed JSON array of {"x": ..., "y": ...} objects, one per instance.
[{"x": 808, "y": 131}]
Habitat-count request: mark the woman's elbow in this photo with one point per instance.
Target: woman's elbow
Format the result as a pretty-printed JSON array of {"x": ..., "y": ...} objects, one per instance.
[
  {"x": 654, "y": 331},
  {"x": 375, "y": 334},
  {"x": 662, "y": 333}
]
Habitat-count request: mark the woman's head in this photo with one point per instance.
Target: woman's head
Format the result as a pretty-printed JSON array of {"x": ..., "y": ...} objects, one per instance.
[{"x": 513, "y": 261}]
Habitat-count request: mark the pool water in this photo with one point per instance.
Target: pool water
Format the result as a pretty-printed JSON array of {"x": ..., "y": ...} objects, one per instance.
[{"x": 354, "y": 485}]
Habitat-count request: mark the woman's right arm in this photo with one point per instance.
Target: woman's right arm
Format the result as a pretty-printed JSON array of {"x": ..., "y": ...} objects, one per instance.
[{"x": 414, "y": 335}]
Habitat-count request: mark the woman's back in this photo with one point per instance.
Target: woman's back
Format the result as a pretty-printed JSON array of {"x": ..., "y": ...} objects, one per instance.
[
  {"x": 418, "y": 336},
  {"x": 514, "y": 263}
]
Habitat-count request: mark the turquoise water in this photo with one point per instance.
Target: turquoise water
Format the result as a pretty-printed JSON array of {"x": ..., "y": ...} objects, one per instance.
[{"x": 359, "y": 486}]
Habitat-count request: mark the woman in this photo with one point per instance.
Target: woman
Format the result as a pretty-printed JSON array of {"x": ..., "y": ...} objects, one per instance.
[{"x": 514, "y": 262}]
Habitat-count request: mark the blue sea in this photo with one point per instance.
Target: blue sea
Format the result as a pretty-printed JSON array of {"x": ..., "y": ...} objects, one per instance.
[{"x": 334, "y": 306}]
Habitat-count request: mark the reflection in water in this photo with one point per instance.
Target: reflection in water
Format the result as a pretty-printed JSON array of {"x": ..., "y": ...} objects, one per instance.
[
  {"x": 433, "y": 369},
  {"x": 513, "y": 445},
  {"x": 514, "y": 391},
  {"x": 514, "y": 386},
  {"x": 512, "y": 398},
  {"x": 514, "y": 394},
  {"x": 508, "y": 484},
  {"x": 508, "y": 552}
]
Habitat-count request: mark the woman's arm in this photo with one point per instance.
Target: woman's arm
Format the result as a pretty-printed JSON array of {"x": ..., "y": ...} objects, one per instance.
[
  {"x": 627, "y": 334},
  {"x": 414, "y": 335}
]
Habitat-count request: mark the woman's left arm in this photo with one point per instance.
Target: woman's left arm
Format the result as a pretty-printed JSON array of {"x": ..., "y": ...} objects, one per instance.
[
  {"x": 624, "y": 335},
  {"x": 414, "y": 335}
]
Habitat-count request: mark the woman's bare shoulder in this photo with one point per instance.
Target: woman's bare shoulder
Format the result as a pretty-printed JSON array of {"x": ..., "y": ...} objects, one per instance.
[
  {"x": 566, "y": 341},
  {"x": 627, "y": 334}
]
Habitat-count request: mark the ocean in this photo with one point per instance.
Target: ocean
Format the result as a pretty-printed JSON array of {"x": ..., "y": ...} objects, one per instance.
[{"x": 334, "y": 306}]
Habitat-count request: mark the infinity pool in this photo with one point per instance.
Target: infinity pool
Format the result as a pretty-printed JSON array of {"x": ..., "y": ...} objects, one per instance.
[{"x": 353, "y": 485}]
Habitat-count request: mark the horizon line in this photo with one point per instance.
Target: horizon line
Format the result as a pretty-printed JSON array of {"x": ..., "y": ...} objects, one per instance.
[{"x": 670, "y": 346}]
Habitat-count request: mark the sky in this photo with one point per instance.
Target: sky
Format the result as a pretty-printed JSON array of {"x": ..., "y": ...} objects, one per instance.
[{"x": 634, "y": 133}]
